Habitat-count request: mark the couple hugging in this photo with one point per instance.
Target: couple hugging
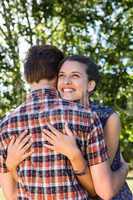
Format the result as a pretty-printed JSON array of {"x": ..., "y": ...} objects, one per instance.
[{"x": 58, "y": 145}]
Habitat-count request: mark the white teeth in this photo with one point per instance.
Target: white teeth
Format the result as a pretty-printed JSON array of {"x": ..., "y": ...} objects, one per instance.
[{"x": 68, "y": 90}]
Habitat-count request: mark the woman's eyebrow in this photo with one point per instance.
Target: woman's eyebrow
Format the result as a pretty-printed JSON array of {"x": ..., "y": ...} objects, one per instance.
[
  {"x": 61, "y": 72},
  {"x": 75, "y": 72}
]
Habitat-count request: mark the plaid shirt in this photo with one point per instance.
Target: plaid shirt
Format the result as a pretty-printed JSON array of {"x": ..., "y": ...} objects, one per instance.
[{"x": 47, "y": 174}]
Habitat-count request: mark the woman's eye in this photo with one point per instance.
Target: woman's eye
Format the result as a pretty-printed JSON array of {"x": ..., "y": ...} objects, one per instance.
[
  {"x": 75, "y": 76},
  {"x": 60, "y": 76}
]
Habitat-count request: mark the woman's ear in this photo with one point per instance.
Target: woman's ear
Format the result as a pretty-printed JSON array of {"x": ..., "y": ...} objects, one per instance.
[{"x": 91, "y": 86}]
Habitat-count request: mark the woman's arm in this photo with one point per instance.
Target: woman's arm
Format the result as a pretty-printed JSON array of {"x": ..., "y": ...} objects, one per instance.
[
  {"x": 18, "y": 150},
  {"x": 112, "y": 132},
  {"x": 66, "y": 145},
  {"x": 101, "y": 173},
  {"x": 107, "y": 183},
  {"x": 8, "y": 185}
]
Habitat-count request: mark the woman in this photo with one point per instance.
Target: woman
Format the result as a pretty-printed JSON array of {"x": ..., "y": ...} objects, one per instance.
[
  {"x": 75, "y": 86},
  {"x": 71, "y": 89}
]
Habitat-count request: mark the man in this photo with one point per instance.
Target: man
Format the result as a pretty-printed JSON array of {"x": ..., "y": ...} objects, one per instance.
[{"x": 47, "y": 174}]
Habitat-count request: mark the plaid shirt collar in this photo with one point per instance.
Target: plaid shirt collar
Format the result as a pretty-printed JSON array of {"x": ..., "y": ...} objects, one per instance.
[{"x": 42, "y": 92}]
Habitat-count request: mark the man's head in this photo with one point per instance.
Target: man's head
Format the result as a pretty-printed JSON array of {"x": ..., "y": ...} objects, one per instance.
[{"x": 42, "y": 63}]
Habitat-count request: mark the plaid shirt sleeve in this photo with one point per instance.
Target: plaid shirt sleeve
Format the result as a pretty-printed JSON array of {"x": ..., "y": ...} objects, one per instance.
[{"x": 96, "y": 148}]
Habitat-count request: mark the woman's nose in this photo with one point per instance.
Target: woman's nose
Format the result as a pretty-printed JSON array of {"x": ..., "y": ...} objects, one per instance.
[{"x": 67, "y": 80}]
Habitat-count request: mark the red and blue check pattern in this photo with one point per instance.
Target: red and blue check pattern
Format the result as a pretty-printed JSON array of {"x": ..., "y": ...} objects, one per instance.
[{"x": 47, "y": 174}]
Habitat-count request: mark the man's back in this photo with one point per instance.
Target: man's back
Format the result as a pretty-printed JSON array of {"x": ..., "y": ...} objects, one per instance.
[{"x": 47, "y": 174}]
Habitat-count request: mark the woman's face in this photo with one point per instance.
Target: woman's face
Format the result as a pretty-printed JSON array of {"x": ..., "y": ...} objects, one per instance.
[{"x": 73, "y": 81}]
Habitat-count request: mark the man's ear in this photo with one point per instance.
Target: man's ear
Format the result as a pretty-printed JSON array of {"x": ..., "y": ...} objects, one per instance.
[{"x": 91, "y": 86}]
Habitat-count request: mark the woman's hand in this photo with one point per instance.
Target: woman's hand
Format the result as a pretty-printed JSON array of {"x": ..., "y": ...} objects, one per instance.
[
  {"x": 60, "y": 142},
  {"x": 18, "y": 150}
]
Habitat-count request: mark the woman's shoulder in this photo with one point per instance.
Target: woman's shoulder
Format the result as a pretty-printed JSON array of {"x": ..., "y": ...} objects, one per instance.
[
  {"x": 103, "y": 111},
  {"x": 96, "y": 106}
]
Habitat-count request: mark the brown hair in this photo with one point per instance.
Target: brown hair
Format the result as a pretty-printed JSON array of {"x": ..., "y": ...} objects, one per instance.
[
  {"x": 92, "y": 69},
  {"x": 42, "y": 63}
]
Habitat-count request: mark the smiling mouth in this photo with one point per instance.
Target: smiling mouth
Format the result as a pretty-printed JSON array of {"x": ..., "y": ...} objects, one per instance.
[{"x": 68, "y": 90}]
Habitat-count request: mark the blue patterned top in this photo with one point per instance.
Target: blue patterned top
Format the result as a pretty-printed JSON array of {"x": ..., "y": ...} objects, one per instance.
[{"x": 104, "y": 112}]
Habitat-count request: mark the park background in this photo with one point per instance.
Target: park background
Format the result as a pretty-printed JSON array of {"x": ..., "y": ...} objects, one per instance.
[{"x": 102, "y": 30}]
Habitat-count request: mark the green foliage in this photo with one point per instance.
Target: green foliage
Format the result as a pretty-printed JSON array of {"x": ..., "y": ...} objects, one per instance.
[{"x": 100, "y": 29}]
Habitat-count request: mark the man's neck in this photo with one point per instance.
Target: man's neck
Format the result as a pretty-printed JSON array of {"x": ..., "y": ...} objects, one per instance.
[{"x": 43, "y": 84}]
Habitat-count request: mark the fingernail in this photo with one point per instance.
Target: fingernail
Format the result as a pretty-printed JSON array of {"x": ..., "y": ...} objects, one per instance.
[
  {"x": 49, "y": 124},
  {"x": 66, "y": 124},
  {"x": 24, "y": 132},
  {"x": 44, "y": 129}
]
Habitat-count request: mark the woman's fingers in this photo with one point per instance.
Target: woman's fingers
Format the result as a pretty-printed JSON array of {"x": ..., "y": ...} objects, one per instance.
[
  {"x": 51, "y": 147},
  {"x": 21, "y": 136},
  {"x": 52, "y": 129},
  {"x": 56, "y": 132},
  {"x": 11, "y": 141},
  {"x": 48, "y": 139},
  {"x": 24, "y": 141},
  {"x": 68, "y": 131},
  {"x": 26, "y": 147},
  {"x": 53, "y": 133},
  {"x": 49, "y": 134},
  {"x": 27, "y": 154}
]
